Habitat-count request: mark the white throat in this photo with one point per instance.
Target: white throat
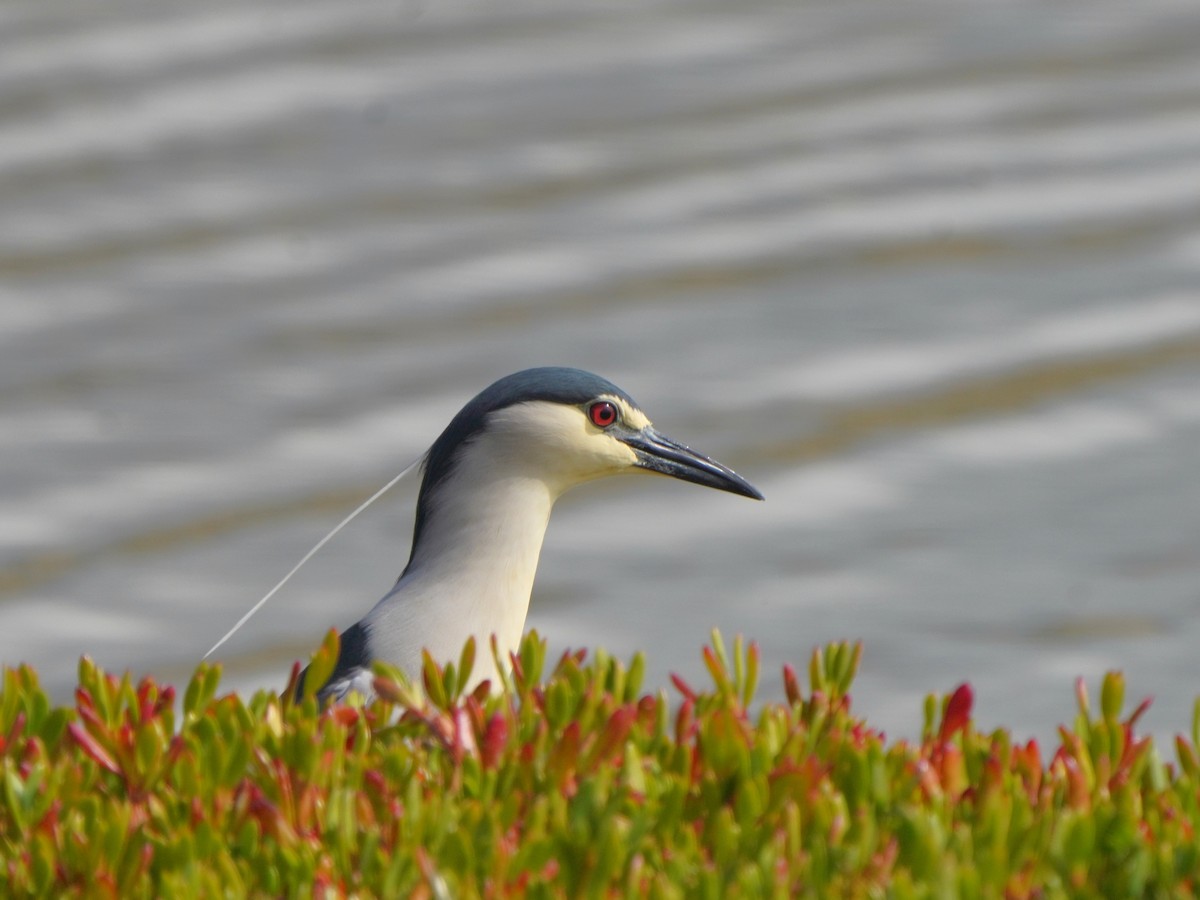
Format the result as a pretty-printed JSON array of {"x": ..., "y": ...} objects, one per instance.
[{"x": 472, "y": 572}]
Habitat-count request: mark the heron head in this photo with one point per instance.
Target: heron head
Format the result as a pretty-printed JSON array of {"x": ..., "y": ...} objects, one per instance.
[{"x": 565, "y": 427}]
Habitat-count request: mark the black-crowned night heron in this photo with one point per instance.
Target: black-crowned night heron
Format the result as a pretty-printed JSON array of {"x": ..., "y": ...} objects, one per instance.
[{"x": 490, "y": 481}]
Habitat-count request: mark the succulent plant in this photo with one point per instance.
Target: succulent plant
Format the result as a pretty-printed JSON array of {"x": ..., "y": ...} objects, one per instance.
[{"x": 571, "y": 781}]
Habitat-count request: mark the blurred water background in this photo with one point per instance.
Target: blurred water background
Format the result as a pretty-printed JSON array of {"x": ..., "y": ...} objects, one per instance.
[{"x": 926, "y": 272}]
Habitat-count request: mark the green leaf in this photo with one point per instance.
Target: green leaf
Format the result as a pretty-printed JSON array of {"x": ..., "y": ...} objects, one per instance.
[
  {"x": 322, "y": 664},
  {"x": 466, "y": 665},
  {"x": 200, "y": 690},
  {"x": 1079, "y": 842},
  {"x": 435, "y": 685},
  {"x": 575, "y": 785},
  {"x": 1112, "y": 696}
]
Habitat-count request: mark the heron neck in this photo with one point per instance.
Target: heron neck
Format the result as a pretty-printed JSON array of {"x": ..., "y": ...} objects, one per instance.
[
  {"x": 471, "y": 571},
  {"x": 489, "y": 534}
]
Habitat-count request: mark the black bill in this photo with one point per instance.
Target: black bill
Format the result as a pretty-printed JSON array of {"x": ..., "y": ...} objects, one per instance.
[{"x": 659, "y": 453}]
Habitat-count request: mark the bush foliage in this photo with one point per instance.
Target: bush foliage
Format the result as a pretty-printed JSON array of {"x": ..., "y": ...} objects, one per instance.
[{"x": 573, "y": 782}]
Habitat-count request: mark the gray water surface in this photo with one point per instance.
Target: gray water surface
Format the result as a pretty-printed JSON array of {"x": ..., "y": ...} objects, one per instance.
[{"x": 925, "y": 272}]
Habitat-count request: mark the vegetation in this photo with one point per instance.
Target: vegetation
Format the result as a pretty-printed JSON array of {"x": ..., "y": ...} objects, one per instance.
[{"x": 573, "y": 783}]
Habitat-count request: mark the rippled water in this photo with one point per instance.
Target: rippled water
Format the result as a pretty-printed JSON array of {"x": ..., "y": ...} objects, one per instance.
[{"x": 925, "y": 272}]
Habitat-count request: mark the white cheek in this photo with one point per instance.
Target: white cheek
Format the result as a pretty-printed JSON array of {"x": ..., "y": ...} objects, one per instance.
[
  {"x": 557, "y": 443},
  {"x": 610, "y": 453},
  {"x": 586, "y": 451}
]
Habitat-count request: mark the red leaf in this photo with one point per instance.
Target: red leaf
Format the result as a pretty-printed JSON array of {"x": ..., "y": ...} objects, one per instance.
[
  {"x": 791, "y": 686},
  {"x": 93, "y": 749},
  {"x": 564, "y": 756},
  {"x": 612, "y": 738},
  {"x": 86, "y": 707},
  {"x": 683, "y": 687},
  {"x": 958, "y": 712},
  {"x": 1077, "y": 788},
  {"x": 518, "y": 672},
  {"x": 647, "y": 710},
  {"x": 175, "y": 748},
  {"x": 145, "y": 689},
  {"x": 474, "y": 712},
  {"x": 166, "y": 700},
  {"x": 83, "y": 698},
  {"x": 482, "y": 691},
  {"x": 1027, "y": 763},
  {"x": 1139, "y": 712},
  {"x": 494, "y": 739},
  {"x": 685, "y": 721}
]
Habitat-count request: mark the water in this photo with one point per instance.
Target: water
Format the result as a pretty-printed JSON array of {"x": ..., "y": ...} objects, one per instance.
[{"x": 925, "y": 273}]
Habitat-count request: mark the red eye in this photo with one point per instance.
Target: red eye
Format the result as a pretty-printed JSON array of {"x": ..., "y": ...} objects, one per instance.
[{"x": 602, "y": 413}]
